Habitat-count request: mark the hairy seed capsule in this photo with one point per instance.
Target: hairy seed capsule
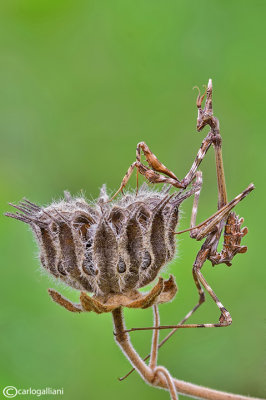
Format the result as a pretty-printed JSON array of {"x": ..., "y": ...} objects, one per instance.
[{"x": 105, "y": 247}]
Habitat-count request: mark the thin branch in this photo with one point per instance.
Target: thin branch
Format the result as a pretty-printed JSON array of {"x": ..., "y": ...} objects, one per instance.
[
  {"x": 155, "y": 338},
  {"x": 158, "y": 380},
  {"x": 167, "y": 337}
]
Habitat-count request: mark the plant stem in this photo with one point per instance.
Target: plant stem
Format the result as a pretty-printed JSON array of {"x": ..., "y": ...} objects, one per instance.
[{"x": 148, "y": 375}]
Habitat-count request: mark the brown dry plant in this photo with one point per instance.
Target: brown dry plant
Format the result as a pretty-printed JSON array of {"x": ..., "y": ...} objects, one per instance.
[{"x": 115, "y": 246}]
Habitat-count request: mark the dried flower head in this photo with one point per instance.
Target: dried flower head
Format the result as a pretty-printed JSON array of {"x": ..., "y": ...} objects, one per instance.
[{"x": 110, "y": 249}]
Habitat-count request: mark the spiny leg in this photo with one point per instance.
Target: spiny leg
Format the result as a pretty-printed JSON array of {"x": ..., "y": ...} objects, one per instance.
[
  {"x": 198, "y": 182},
  {"x": 152, "y": 174},
  {"x": 202, "y": 230},
  {"x": 157, "y": 166},
  {"x": 225, "y": 318},
  {"x": 124, "y": 181},
  {"x": 153, "y": 161},
  {"x": 205, "y": 117}
]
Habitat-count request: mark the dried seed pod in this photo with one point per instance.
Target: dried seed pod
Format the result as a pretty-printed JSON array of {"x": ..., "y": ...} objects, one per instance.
[{"x": 105, "y": 248}]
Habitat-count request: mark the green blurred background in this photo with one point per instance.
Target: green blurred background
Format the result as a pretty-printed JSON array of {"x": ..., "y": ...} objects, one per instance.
[{"x": 81, "y": 83}]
